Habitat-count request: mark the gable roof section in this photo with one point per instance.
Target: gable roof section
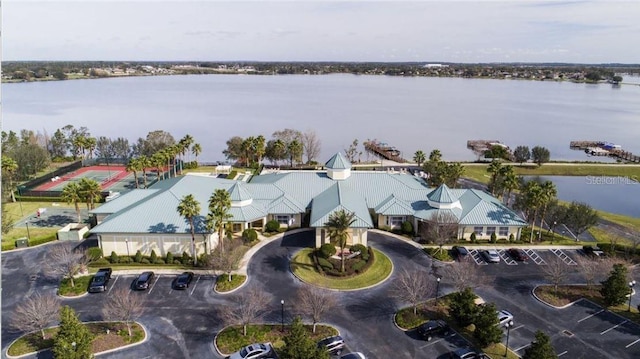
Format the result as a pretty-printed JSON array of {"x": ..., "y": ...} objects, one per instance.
[
  {"x": 128, "y": 199},
  {"x": 248, "y": 213},
  {"x": 238, "y": 193},
  {"x": 481, "y": 209},
  {"x": 339, "y": 197},
  {"x": 285, "y": 205},
  {"x": 442, "y": 194},
  {"x": 338, "y": 162},
  {"x": 393, "y": 206}
]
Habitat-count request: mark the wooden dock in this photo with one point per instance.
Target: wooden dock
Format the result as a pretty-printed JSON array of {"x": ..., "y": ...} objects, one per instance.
[
  {"x": 595, "y": 148},
  {"x": 383, "y": 150},
  {"x": 479, "y": 147}
]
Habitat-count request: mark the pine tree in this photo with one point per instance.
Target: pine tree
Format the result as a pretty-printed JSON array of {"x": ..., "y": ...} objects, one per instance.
[
  {"x": 487, "y": 330},
  {"x": 73, "y": 340},
  {"x": 540, "y": 348},
  {"x": 463, "y": 308},
  {"x": 614, "y": 289},
  {"x": 298, "y": 344}
]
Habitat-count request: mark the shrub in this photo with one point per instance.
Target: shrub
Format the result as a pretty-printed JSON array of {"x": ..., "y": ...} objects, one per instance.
[
  {"x": 95, "y": 253},
  {"x": 249, "y": 235},
  {"x": 145, "y": 261},
  {"x": 327, "y": 250},
  {"x": 126, "y": 259},
  {"x": 159, "y": 261},
  {"x": 114, "y": 258},
  {"x": 364, "y": 252},
  {"x": 325, "y": 264},
  {"x": 473, "y": 237},
  {"x": 511, "y": 238},
  {"x": 186, "y": 258},
  {"x": 153, "y": 257},
  {"x": 41, "y": 240},
  {"x": 138, "y": 257},
  {"x": 357, "y": 266},
  {"x": 494, "y": 238},
  {"x": 169, "y": 257},
  {"x": 176, "y": 261},
  {"x": 100, "y": 262},
  {"x": 407, "y": 227},
  {"x": 272, "y": 226}
]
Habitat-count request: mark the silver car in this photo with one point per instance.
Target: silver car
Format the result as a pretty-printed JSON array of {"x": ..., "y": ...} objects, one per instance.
[
  {"x": 491, "y": 256},
  {"x": 504, "y": 317}
]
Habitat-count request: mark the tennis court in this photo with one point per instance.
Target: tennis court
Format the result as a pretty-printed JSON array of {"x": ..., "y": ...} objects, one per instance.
[{"x": 110, "y": 178}]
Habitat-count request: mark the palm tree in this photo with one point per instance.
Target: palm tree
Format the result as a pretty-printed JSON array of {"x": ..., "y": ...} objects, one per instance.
[
  {"x": 90, "y": 144},
  {"x": 189, "y": 208},
  {"x": 157, "y": 161},
  {"x": 419, "y": 157},
  {"x": 134, "y": 166},
  {"x": 144, "y": 162},
  {"x": 71, "y": 194},
  {"x": 510, "y": 182},
  {"x": 196, "y": 149},
  {"x": 338, "y": 226},
  {"x": 435, "y": 156},
  {"x": 494, "y": 169},
  {"x": 90, "y": 191},
  {"x": 219, "y": 205},
  {"x": 549, "y": 193},
  {"x": 531, "y": 198}
]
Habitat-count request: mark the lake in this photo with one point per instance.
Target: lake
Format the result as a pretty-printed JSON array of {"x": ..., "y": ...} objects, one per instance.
[
  {"x": 411, "y": 113},
  {"x": 610, "y": 194}
]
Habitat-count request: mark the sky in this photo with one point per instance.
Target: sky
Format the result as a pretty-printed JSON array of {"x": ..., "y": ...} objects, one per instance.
[{"x": 602, "y": 31}]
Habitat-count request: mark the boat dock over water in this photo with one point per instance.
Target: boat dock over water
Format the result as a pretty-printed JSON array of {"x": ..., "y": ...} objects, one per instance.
[
  {"x": 479, "y": 147},
  {"x": 604, "y": 148},
  {"x": 383, "y": 150}
]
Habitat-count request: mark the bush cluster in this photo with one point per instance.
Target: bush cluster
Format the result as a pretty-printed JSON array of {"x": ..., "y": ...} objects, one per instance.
[
  {"x": 153, "y": 258},
  {"x": 272, "y": 226},
  {"x": 352, "y": 266},
  {"x": 327, "y": 250},
  {"x": 249, "y": 235},
  {"x": 407, "y": 228}
]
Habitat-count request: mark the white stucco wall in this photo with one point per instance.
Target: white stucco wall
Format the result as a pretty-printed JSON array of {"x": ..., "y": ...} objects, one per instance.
[{"x": 160, "y": 243}]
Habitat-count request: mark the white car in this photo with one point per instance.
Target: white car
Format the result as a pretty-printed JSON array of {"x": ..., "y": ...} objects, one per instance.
[
  {"x": 504, "y": 317},
  {"x": 491, "y": 255},
  {"x": 253, "y": 351}
]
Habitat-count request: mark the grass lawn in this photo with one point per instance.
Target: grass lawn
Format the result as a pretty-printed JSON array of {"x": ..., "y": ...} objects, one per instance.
[
  {"x": 302, "y": 266},
  {"x": 224, "y": 285},
  {"x": 230, "y": 339},
  {"x": 620, "y": 219},
  {"x": 117, "y": 337},
  {"x": 479, "y": 172},
  {"x": 15, "y": 213},
  {"x": 441, "y": 255},
  {"x": 80, "y": 286},
  {"x": 570, "y": 293}
]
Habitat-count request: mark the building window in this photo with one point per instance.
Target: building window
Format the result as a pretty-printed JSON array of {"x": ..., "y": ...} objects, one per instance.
[
  {"x": 491, "y": 230},
  {"x": 396, "y": 221},
  {"x": 477, "y": 230},
  {"x": 504, "y": 231},
  {"x": 237, "y": 227},
  {"x": 283, "y": 219}
]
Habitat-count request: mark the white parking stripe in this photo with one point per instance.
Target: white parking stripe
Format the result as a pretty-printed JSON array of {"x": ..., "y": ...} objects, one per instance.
[
  {"x": 507, "y": 258},
  {"x": 630, "y": 344},
  {"x": 565, "y": 258},
  {"x": 592, "y": 315},
  {"x": 151, "y": 289},
  {"x": 535, "y": 257},
  {"x": 612, "y": 328},
  {"x": 194, "y": 286},
  {"x": 522, "y": 347},
  {"x": 113, "y": 284},
  {"x": 475, "y": 254},
  {"x": 518, "y": 327},
  {"x": 563, "y": 353}
]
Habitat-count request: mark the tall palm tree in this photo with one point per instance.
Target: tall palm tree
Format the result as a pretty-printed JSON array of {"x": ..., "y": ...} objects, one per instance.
[
  {"x": 531, "y": 199},
  {"x": 510, "y": 182},
  {"x": 90, "y": 191},
  {"x": 549, "y": 193},
  {"x": 157, "y": 160},
  {"x": 71, "y": 194},
  {"x": 338, "y": 226},
  {"x": 494, "y": 169},
  {"x": 219, "y": 206},
  {"x": 196, "y": 149},
  {"x": 90, "y": 144},
  {"x": 133, "y": 166},
  {"x": 144, "y": 163},
  {"x": 189, "y": 208},
  {"x": 419, "y": 157}
]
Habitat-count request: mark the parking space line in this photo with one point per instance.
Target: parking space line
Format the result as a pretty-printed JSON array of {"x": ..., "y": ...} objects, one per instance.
[
  {"x": 612, "y": 328},
  {"x": 194, "y": 286},
  {"x": 113, "y": 284},
  {"x": 431, "y": 343},
  {"x": 518, "y": 327},
  {"x": 475, "y": 254},
  {"x": 152, "y": 286},
  {"x": 592, "y": 315},
  {"x": 507, "y": 258},
  {"x": 522, "y": 347},
  {"x": 535, "y": 257},
  {"x": 565, "y": 258},
  {"x": 630, "y": 344},
  {"x": 563, "y": 353}
]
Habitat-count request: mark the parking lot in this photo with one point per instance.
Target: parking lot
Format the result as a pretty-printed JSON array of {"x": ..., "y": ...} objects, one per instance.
[
  {"x": 160, "y": 287},
  {"x": 534, "y": 256}
]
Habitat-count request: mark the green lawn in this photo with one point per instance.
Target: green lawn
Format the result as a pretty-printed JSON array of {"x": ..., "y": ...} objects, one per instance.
[
  {"x": 28, "y": 208},
  {"x": 231, "y": 339},
  {"x": 224, "y": 285},
  {"x": 479, "y": 172},
  {"x": 80, "y": 286},
  {"x": 302, "y": 266}
]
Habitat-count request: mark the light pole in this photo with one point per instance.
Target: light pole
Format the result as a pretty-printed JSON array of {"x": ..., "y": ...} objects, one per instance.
[
  {"x": 437, "y": 289},
  {"x": 631, "y": 284},
  {"x": 508, "y": 325},
  {"x": 27, "y": 224},
  {"x": 282, "y": 315},
  {"x": 126, "y": 240}
]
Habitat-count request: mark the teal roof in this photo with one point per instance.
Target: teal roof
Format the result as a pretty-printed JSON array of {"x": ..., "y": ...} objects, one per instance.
[
  {"x": 442, "y": 194},
  {"x": 338, "y": 162},
  {"x": 128, "y": 199},
  {"x": 479, "y": 208},
  {"x": 393, "y": 206},
  {"x": 285, "y": 205},
  {"x": 248, "y": 213},
  {"x": 339, "y": 197},
  {"x": 238, "y": 193}
]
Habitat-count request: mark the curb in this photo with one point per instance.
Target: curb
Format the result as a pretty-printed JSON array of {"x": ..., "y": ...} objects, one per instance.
[
  {"x": 65, "y": 297},
  {"x": 246, "y": 280},
  {"x": 533, "y": 293},
  {"x": 36, "y": 246},
  {"x": 146, "y": 337}
]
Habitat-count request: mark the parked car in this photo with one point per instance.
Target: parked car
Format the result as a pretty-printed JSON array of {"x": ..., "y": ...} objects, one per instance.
[
  {"x": 183, "y": 280},
  {"x": 433, "y": 327},
  {"x": 463, "y": 353},
  {"x": 333, "y": 345},
  {"x": 460, "y": 252},
  {"x": 517, "y": 254},
  {"x": 491, "y": 256},
  {"x": 593, "y": 251},
  {"x": 504, "y": 317},
  {"x": 143, "y": 281},
  {"x": 355, "y": 355},
  {"x": 253, "y": 351},
  {"x": 100, "y": 280}
]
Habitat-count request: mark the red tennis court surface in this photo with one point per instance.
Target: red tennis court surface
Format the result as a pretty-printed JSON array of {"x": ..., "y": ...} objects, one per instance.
[{"x": 107, "y": 176}]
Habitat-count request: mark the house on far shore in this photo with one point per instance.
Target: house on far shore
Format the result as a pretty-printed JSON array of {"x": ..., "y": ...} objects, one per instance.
[{"x": 147, "y": 219}]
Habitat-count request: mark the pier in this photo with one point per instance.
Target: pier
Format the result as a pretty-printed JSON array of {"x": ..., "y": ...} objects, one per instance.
[
  {"x": 383, "y": 150},
  {"x": 604, "y": 148},
  {"x": 479, "y": 147}
]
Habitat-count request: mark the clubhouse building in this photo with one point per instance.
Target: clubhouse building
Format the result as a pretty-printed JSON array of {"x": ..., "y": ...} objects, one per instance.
[{"x": 147, "y": 219}]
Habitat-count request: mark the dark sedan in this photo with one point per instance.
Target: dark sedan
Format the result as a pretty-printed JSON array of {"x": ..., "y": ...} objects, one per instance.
[
  {"x": 517, "y": 254},
  {"x": 433, "y": 327},
  {"x": 144, "y": 280},
  {"x": 183, "y": 280}
]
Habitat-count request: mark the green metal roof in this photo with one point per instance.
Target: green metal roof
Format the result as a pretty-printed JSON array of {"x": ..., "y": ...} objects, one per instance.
[
  {"x": 338, "y": 162},
  {"x": 393, "y": 206},
  {"x": 442, "y": 194},
  {"x": 339, "y": 197},
  {"x": 238, "y": 193}
]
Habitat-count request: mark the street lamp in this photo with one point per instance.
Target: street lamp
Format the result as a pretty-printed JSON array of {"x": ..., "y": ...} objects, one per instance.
[
  {"x": 437, "y": 289},
  {"x": 282, "y": 316},
  {"x": 27, "y": 224},
  {"x": 631, "y": 284},
  {"x": 126, "y": 240},
  {"x": 509, "y": 324}
]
